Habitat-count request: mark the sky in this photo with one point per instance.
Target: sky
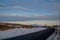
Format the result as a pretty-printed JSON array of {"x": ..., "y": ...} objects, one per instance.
[{"x": 29, "y": 9}]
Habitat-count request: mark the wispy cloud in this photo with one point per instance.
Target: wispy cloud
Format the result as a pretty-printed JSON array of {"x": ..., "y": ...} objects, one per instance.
[
  {"x": 2, "y": 4},
  {"x": 39, "y": 16},
  {"x": 23, "y": 15},
  {"x": 13, "y": 14},
  {"x": 12, "y": 17},
  {"x": 20, "y": 7}
]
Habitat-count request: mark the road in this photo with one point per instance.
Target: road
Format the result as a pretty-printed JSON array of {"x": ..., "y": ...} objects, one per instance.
[{"x": 40, "y": 35}]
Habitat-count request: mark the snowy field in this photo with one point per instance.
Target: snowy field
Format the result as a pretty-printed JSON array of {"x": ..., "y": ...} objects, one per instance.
[{"x": 17, "y": 32}]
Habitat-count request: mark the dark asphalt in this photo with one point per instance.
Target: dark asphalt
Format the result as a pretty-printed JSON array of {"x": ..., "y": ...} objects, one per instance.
[{"x": 41, "y": 35}]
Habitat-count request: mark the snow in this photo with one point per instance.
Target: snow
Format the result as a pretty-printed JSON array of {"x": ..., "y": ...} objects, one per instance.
[
  {"x": 16, "y": 32},
  {"x": 52, "y": 37}
]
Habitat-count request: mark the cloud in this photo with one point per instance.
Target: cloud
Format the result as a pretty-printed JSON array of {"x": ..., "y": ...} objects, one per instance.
[
  {"x": 18, "y": 8},
  {"x": 39, "y": 16},
  {"x": 21, "y": 8},
  {"x": 24, "y": 14},
  {"x": 3, "y": 15},
  {"x": 15, "y": 17},
  {"x": 2, "y": 4},
  {"x": 27, "y": 15}
]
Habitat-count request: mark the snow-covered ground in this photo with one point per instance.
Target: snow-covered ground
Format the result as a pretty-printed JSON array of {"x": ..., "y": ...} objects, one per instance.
[
  {"x": 17, "y": 32},
  {"x": 52, "y": 37},
  {"x": 58, "y": 33},
  {"x": 57, "y": 37}
]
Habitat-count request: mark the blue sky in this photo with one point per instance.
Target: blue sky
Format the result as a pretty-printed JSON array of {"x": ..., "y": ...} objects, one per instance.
[{"x": 30, "y": 8}]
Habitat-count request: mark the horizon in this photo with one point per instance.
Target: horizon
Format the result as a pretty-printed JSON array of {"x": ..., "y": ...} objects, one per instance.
[{"x": 37, "y": 22}]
